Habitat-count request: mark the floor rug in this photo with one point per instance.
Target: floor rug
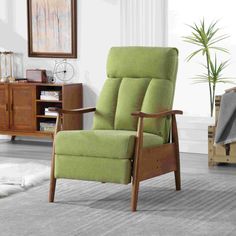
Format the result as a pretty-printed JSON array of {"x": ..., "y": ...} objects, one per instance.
[
  {"x": 206, "y": 206},
  {"x": 17, "y": 177}
]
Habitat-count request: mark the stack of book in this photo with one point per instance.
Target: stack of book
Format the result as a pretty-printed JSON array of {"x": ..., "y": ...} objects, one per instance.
[
  {"x": 47, "y": 126},
  {"x": 47, "y": 112},
  {"x": 50, "y": 95}
]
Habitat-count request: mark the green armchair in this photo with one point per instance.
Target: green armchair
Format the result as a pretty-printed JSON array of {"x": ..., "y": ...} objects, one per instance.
[{"x": 134, "y": 135}]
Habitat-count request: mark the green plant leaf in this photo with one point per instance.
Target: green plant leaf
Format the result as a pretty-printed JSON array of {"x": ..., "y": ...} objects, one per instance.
[
  {"x": 193, "y": 54},
  {"x": 205, "y": 38},
  {"x": 220, "y": 49}
]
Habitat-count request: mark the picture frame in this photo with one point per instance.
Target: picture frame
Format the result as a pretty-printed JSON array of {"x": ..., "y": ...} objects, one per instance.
[{"x": 52, "y": 28}]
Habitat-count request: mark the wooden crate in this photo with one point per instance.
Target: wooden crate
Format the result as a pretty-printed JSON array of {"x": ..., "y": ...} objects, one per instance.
[{"x": 219, "y": 153}]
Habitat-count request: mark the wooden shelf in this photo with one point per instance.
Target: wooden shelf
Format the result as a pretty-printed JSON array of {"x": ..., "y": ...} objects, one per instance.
[
  {"x": 44, "y": 116},
  {"x": 47, "y": 133},
  {"x": 29, "y": 109},
  {"x": 28, "y": 133},
  {"x": 38, "y": 100}
]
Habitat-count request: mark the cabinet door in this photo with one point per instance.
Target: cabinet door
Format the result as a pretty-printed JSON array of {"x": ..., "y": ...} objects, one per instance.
[
  {"x": 23, "y": 107},
  {"x": 4, "y": 107}
]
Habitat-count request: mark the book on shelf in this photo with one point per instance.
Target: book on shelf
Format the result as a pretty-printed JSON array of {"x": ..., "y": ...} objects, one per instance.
[
  {"x": 50, "y": 95},
  {"x": 47, "y": 112},
  {"x": 47, "y": 126}
]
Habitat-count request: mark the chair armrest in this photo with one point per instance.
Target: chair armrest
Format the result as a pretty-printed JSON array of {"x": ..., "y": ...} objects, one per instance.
[
  {"x": 157, "y": 115},
  {"x": 73, "y": 111}
]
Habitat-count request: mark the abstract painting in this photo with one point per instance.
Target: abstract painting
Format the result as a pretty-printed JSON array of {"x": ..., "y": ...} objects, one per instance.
[{"x": 52, "y": 28}]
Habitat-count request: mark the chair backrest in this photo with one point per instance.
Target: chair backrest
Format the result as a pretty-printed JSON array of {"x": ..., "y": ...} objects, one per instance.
[{"x": 139, "y": 79}]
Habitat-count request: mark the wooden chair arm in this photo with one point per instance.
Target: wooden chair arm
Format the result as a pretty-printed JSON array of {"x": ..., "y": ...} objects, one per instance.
[
  {"x": 67, "y": 111},
  {"x": 157, "y": 115},
  {"x": 142, "y": 115},
  {"x": 72, "y": 111}
]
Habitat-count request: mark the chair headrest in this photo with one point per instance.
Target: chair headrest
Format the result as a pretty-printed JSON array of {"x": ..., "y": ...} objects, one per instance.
[{"x": 142, "y": 62}]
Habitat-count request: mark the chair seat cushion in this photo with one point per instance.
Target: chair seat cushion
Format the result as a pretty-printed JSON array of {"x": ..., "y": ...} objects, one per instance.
[
  {"x": 101, "y": 143},
  {"x": 93, "y": 169}
]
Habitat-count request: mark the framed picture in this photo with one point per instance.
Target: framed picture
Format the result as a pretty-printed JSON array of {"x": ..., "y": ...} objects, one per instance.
[{"x": 52, "y": 28}]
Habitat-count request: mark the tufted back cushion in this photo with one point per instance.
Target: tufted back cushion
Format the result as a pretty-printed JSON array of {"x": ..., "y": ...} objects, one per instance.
[{"x": 139, "y": 79}]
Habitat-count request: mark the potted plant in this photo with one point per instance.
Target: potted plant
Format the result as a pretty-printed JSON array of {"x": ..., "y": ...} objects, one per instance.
[{"x": 206, "y": 38}]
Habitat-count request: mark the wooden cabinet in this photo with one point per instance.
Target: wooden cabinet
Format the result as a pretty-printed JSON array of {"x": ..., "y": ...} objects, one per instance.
[
  {"x": 22, "y": 107},
  {"x": 4, "y": 107},
  {"x": 22, "y": 111}
]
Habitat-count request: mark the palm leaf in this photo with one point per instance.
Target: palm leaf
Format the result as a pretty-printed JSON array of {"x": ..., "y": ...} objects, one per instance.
[
  {"x": 218, "y": 39},
  {"x": 220, "y": 49},
  {"x": 193, "y": 54}
]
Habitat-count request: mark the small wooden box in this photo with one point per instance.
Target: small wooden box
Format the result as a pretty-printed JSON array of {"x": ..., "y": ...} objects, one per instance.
[
  {"x": 36, "y": 76},
  {"x": 219, "y": 153}
]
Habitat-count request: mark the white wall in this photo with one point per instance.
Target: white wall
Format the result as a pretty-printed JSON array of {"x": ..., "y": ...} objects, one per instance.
[
  {"x": 143, "y": 22},
  {"x": 98, "y": 30},
  {"x": 101, "y": 25},
  {"x": 193, "y": 98}
]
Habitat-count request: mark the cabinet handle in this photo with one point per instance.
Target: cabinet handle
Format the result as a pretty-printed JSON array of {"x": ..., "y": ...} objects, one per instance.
[
  {"x": 6, "y": 107},
  {"x": 12, "y": 106}
]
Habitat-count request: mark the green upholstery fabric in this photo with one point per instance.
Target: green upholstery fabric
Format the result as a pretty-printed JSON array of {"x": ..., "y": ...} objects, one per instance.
[
  {"x": 142, "y": 62},
  {"x": 130, "y": 99},
  {"x": 158, "y": 101},
  {"x": 101, "y": 143},
  {"x": 106, "y": 106},
  {"x": 142, "y": 78},
  {"x": 138, "y": 78},
  {"x": 93, "y": 168}
]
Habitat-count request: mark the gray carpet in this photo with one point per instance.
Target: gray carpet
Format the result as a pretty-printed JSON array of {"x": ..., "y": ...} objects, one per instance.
[{"x": 205, "y": 206}]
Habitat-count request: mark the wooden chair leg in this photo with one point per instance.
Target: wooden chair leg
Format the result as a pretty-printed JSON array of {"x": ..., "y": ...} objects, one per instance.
[
  {"x": 138, "y": 154},
  {"x": 177, "y": 180},
  {"x": 134, "y": 197},
  {"x": 52, "y": 189},
  {"x": 177, "y": 172},
  {"x": 52, "y": 178},
  {"x": 175, "y": 140}
]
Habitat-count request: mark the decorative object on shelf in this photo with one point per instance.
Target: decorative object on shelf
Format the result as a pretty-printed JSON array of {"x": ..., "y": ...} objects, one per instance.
[
  {"x": 51, "y": 79},
  {"x": 63, "y": 71},
  {"x": 47, "y": 126},
  {"x": 48, "y": 112},
  {"x": 21, "y": 80},
  {"x": 50, "y": 95},
  {"x": 205, "y": 38},
  {"x": 6, "y": 67},
  {"x": 36, "y": 76},
  {"x": 52, "y": 28}
]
